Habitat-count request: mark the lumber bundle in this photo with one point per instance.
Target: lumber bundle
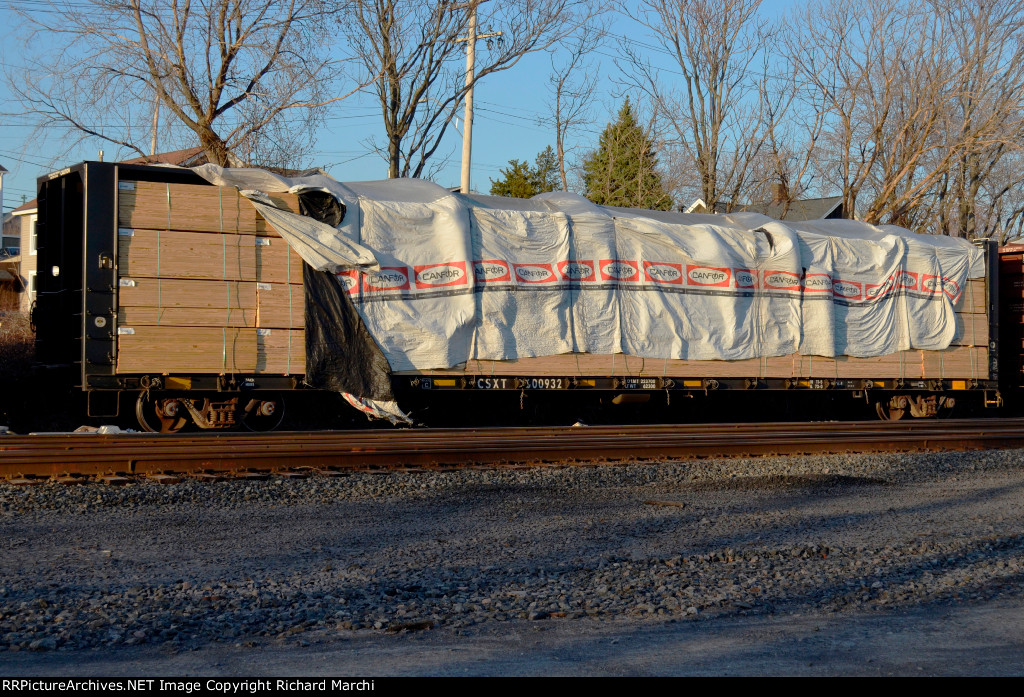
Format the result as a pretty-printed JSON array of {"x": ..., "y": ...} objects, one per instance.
[
  {"x": 974, "y": 299},
  {"x": 211, "y": 350},
  {"x": 174, "y": 254},
  {"x": 205, "y": 284},
  {"x": 193, "y": 207}
]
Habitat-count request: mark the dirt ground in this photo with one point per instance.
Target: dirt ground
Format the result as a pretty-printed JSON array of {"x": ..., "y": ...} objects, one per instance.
[{"x": 944, "y": 640}]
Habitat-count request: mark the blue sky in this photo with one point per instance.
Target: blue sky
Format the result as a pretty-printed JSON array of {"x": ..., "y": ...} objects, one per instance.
[{"x": 511, "y": 121}]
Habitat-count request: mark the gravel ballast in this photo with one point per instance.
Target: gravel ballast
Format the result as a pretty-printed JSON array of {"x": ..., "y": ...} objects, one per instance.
[{"x": 252, "y": 564}]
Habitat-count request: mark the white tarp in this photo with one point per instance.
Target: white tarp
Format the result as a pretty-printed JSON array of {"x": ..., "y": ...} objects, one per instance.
[{"x": 440, "y": 278}]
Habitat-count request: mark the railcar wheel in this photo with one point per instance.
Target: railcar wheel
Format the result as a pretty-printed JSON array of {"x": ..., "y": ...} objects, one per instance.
[
  {"x": 264, "y": 413},
  {"x": 160, "y": 415},
  {"x": 895, "y": 408},
  {"x": 886, "y": 412}
]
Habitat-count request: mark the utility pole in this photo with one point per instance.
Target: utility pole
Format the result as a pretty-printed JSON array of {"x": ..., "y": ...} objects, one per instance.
[
  {"x": 467, "y": 132},
  {"x": 156, "y": 122}
]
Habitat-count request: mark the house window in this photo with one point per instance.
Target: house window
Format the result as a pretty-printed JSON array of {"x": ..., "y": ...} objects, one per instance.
[
  {"x": 32, "y": 285},
  {"x": 32, "y": 238}
]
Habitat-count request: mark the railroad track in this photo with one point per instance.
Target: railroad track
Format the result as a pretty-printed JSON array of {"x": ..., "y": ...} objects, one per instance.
[{"x": 131, "y": 454}]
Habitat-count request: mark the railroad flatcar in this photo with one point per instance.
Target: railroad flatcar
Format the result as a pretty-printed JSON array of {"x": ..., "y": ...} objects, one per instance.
[{"x": 207, "y": 297}]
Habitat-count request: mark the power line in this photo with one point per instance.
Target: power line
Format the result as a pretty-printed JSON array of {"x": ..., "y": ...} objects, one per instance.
[{"x": 9, "y": 156}]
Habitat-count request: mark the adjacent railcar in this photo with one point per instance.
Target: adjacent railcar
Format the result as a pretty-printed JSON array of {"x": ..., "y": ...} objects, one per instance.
[{"x": 155, "y": 285}]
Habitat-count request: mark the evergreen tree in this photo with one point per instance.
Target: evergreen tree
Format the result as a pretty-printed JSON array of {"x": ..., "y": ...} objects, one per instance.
[
  {"x": 545, "y": 171},
  {"x": 622, "y": 171},
  {"x": 522, "y": 181},
  {"x": 517, "y": 181}
]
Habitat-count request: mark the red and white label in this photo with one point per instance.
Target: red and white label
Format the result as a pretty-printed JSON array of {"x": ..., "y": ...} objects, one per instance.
[
  {"x": 452, "y": 273},
  {"x": 707, "y": 276},
  {"x": 349, "y": 280},
  {"x": 577, "y": 271},
  {"x": 534, "y": 273},
  {"x": 663, "y": 272},
  {"x": 877, "y": 290},
  {"x": 906, "y": 279},
  {"x": 388, "y": 278},
  {"x": 491, "y": 271},
  {"x": 744, "y": 278},
  {"x": 936, "y": 284},
  {"x": 619, "y": 270},
  {"x": 817, "y": 283},
  {"x": 848, "y": 290},
  {"x": 781, "y": 280}
]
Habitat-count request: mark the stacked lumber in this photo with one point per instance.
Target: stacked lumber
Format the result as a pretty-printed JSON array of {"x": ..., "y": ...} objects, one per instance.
[
  {"x": 195, "y": 208},
  {"x": 205, "y": 283},
  {"x": 957, "y": 362},
  {"x": 211, "y": 350},
  {"x": 972, "y": 314}
]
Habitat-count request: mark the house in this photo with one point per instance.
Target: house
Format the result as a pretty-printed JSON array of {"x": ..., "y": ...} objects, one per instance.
[
  {"x": 20, "y": 262},
  {"x": 8, "y": 239},
  {"x": 827, "y": 208},
  {"x": 11, "y": 238}
]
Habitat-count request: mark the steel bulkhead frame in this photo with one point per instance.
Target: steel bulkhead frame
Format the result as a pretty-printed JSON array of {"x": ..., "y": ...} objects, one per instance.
[
  {"x": 994, "y": 307},
  {"x": 99, "y": 273}
]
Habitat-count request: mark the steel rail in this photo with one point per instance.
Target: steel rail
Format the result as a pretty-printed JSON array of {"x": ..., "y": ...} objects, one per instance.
[{"x": 48, "y": 455}]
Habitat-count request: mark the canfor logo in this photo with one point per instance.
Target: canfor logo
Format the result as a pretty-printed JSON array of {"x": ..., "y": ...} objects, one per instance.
[
  {"x": 534, "y": 273},
  {"x": 663, "y": 272},
  {"x": 619, "y": 270},
  {"x": 388, "y": 278},
  {"x": 848, "y": 290},
  {"x": 577, "y": 270},
  {"x": 452, "y": 273},
  {"x": 781, "y": 280},
  {"x": 817, "y": 282},
  {"x": 937, "y": 284},
  {"x": 877, "y": 290},
  {"x": 349, "y": 280},
  {"x": 707, "y": 276},
  {"x": 906, "y": 279},
  {"x": 491, "y": 270},
  {"x": 744, "y": 278}
]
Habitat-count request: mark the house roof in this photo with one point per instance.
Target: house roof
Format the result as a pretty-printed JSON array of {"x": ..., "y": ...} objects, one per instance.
[
  {"x": 184, "y": 158},
  {"x": 805, "y": 209},
  {"x": 27, "y": 207},
  {"x": 3, "y": 169}
]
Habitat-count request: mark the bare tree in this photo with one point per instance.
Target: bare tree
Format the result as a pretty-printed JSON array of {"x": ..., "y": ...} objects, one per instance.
[
  {"x": 920, "y": 100},
  {"x": 573, "y": 83},
  {"x": 976, "y": 190},
  {"x": 409, "y": 50},
  {"x": 247, "y": 79},
  {"x": 718, "y": 113}
]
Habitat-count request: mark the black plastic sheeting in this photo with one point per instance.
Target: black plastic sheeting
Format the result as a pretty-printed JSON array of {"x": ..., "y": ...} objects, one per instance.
[
  {"x": 341, "y": 355},
  {"x": 321, "y": 206}
]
